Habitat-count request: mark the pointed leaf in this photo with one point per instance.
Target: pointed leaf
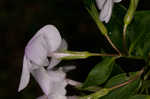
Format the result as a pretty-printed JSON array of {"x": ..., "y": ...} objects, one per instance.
[
  {"x": 118, "y": 79},
  {"x": 123, "y": 92},
  {"x": 100, "y": 73}
]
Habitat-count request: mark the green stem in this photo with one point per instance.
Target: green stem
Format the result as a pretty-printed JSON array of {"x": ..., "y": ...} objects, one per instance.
[
  {"x": 112, "y": 44},
  {"x": 97, "y": 54},
  {"x": 94, "y": 13},
  {"x": 124, "y": 39}
]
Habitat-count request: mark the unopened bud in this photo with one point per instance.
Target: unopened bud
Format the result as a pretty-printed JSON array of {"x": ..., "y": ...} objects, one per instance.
[{"x": 130, "y": 13}]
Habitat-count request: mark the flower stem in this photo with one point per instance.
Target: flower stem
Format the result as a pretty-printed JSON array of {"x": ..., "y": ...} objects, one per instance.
[
  {"x": 112, "y": 44},
  {"x": 95, "y": 15},
  {"x": 124, "y": 39},
  {"x": 97, "y": 54}
]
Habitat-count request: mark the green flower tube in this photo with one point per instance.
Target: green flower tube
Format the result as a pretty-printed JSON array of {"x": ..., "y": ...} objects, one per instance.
[{"x": 130, "y": 13}]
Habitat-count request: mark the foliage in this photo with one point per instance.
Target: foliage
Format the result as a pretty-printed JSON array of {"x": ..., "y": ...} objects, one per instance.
[{"x": 132, "y": 41}]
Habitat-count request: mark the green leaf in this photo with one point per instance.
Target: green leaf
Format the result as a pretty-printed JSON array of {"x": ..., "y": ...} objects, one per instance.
[
  {"x": 118, "y": 79},
  {"x": 100, "y": 73},
  {"x": 140, "y": 97},
  {"x": 115, "y": 26},
  {"x": 138, "y": 34},
  {"x": 123, "y": 92}
]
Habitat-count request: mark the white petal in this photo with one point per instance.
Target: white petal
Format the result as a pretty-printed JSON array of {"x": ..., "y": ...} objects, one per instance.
[
  {"x": 73, "y": 83},
  {"x": 58, "y": 81},
  {"x": 45, "y": 40},
  {"x": 53, "y": 37},
  {"x": 56, "y": 96},
  {"x": 36, "y": 50},
  {"x": 100, "y": 3},
  {"x": 53, "y": 63},
  {"x": 107, "y": 18},
  {"x": 72, "y": 97},
  {"x": 42, "y": 77},
  {"x": 106, "y": 11},
  {"x": 42, "y": 97},
  {"x": 116, "y": 1},
  {"x": 25, "y": 76},
  {"x": 59, "y": 87},
  {"x": 68, "y": 68},
  {"x": 57, "y": 75},
  {"x": 63, "y": 46}
]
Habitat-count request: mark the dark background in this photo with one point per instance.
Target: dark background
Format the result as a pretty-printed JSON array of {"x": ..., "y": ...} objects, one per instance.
[{"x": 19, "y": 21}]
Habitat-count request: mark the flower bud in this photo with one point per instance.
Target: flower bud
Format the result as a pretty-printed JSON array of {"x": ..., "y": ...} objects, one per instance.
[{"x": 130, "y": 13}]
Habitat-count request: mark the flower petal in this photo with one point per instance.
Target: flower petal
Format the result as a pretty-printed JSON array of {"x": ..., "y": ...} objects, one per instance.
[
  {"x": 52, "y": 36},
  {"x": 45, "y": 40},
  {"x": 42, "y": 97},
  {"x": 106, "y": 11},
  {"x": 58, "y": 81},
  {"x": 25, "y": 76},
  {"x": 68, "y": 68},
  {"x": 56, "y": 96},
  {"x": 100, "y": 3},
  {"x": 53, "y": 63},
  {"x": 107, "y": 18},
  {"x": 63, "y": 46},
  {"x": 117, "y": 1},
  {"x": 72, "y": 97},
  {"x": 42, "y": 77}
]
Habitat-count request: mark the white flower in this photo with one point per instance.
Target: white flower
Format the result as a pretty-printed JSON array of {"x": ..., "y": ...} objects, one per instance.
[
  {"x": 46, "y": 41},
  {"x": 53, "y": 83},
  {"x": 106, "y": 9},
  {"x": 58, "y": 97}
]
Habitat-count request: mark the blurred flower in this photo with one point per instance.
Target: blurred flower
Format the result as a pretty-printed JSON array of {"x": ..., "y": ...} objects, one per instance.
[
  {"x": 106, "y": 8},
  {"x": 72, "y": 97},
  {"x": 46, "y": 41},
  {"x": 53, "y": 83}
]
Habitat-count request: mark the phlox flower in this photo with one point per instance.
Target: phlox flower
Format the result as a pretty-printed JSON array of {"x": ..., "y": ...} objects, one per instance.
[
  {"x": 106, "y": 7},
  {"x": 46, "y": 41}
]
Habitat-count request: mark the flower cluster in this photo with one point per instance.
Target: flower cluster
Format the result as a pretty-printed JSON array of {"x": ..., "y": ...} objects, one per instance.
[
  {"x": 47, "y": 42},
  {"x": 44, "y": 44}
]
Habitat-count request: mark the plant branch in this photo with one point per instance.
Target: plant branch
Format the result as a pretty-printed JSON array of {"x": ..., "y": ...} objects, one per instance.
[
  {"x": 97, "y": 54},
  {"x": 94, "y": 13},
  {"x": 129, "y": 81},
  {"x": 112, "y": 44},
  {"x": 124, "y": 39}
]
